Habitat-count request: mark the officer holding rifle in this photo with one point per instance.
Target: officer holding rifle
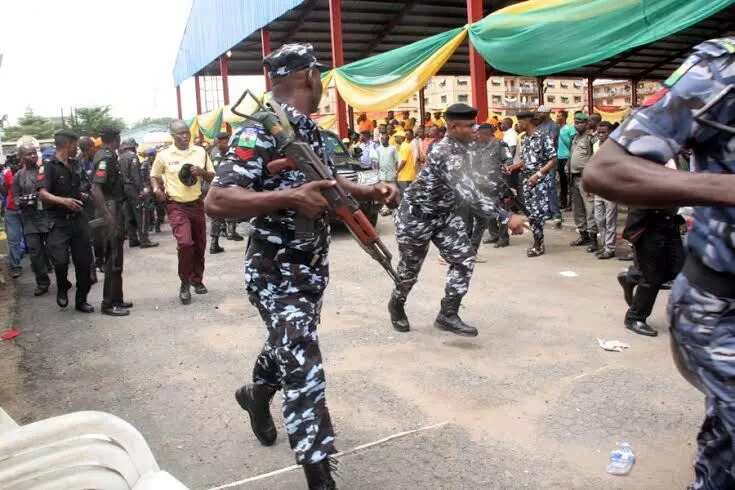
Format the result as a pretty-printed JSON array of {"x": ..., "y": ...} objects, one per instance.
[{"x": 286, "y": 273}]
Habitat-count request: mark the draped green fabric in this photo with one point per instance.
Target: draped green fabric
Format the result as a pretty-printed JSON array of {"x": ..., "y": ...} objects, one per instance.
[
  {"x": 542, "y": 37},
  {"x": 395, "y": 64}
]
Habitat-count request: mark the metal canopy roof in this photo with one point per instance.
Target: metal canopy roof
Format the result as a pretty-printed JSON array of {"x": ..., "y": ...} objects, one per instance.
[{"x": 375, "y": 26}]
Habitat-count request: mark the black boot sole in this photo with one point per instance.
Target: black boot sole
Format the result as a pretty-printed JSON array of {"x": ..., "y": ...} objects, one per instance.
[
  {"x": 243, "y": 398},
  {"x": 398, "y": 321},
  {"x": 463, "y": 333},
  {"x": 646, "y": 333}
]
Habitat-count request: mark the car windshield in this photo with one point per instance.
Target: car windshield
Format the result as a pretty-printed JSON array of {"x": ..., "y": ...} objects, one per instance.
[{"x": 334, "y": 145}]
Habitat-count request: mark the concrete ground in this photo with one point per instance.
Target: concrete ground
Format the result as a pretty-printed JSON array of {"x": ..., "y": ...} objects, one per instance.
[{"x": 533, "y": 402}]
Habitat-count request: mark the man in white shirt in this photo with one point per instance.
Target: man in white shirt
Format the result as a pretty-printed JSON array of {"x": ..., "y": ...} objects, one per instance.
[
  {"x": 510, "y": 137},
  {"x": 387, "y": 158}
]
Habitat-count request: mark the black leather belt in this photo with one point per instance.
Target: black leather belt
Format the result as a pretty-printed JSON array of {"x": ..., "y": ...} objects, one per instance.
[
  {"x": 281, "y": 253},
  {"x": 701, "y": 276}
]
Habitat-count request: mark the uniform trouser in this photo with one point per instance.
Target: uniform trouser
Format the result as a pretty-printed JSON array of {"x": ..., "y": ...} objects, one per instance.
[
  {"x": 14, "y": 231},
  {"x": 67, "y": 236},
  {"x": 189, "y": 228},
  {"x": 582, "y": 207},
  {"x": 495, "y": 229},
  {"x": 702, "y": 336},
  {"x": 112, "y": 291},
  {"x": 659, "y": 256},
  {"x": 449, "y": 234},
  {"x": 220, "y": 226},
  {"x": 554, "y": 209},
  {"x": 36, "y": 243},
  {"x": 289, "y": 299},
  {"x": 144, "y": 219},
  {"x": 131, "y": 212},
  {"x": 606, "y": 217},
  {"x": 563, "y": 182},
  {"x": 536, "y": 201}
]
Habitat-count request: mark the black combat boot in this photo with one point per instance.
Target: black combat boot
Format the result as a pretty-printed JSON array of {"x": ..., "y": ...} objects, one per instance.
[
  {"x": 583, "y": 239},
  {"x": 594, "y": 247},
  {"x": 537, "y": 249},
  {"x": 449, "y": 320},
  {"x": 319, "y": 475},
  {"x": 256, "y": 399},
  {"x": 232, "y": 233},
  {"x": 628, "y": 285},
  {"x": 214, "y": 247},
  {"x": 396, "y": 308}
]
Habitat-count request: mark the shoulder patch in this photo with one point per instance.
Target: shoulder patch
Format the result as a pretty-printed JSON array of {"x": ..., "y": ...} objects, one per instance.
[
  {"x": 682, "y": 70},
  {"x": 244, "y": 153},
  {"x": 247, "y": 138}
]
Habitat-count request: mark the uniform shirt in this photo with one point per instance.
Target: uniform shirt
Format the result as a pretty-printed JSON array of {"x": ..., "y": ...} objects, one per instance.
[
  {"x": 581, "y": 151},
  {"x": 387, "y": 162},
  {"x": 510, "y": 137},
  {"x": 130, "y": 170},
  {"x": 566, "y": 134},
  {"x": 368, "y": 151},
  {"x": 487, "y": 160},
  {"x": 61, "y": 181},
  {"x": 445, "y": 183},
  {"x": 167, "y": 165},
  {"x": 658, "y": 132},
  {"x": 8, "y": 182},
  {"x": 108, "y": 175},
  {"x": 408, "y": 172},
  {"x": 551, "y": 129},
  {"x": 536, "y": 151},
  {"x": 246, "y": 166},
  {"x": 34, "y": 217}
]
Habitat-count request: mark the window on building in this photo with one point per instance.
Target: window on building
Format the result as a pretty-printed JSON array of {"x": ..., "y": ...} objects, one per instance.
[
  {"x": 551, "y": 84},
  {"x": 462, "y": 98},
  {"x": 461, "y": 82},
  {"x": 577, "y": 99},
  {"x": 444, "y": 99},
  {"x": 564, "y": 84},
  {"x": 497, "y": 99},
  {"x": 565, "y": 100},
  {"x": 495, "y": 82},
  {"x": 551, "y": 98},
  {"x": 415, "y": 98},
  {"x": 577, "y": 84},
  {"x": 327, "y": 108},
  {"x": 443, "y": 83},
  {"x": 627, "y": 100},
  {"x": 609, "y": 101}
]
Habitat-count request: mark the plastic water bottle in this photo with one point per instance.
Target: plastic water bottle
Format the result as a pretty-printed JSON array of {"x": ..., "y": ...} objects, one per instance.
[{"x": 621, "y": 460}]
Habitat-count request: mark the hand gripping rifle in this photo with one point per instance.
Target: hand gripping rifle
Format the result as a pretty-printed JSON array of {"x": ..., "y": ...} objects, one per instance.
[{"x": 301, "y": 156}]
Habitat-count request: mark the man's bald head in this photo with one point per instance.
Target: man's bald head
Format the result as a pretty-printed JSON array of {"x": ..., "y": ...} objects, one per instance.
[
  {"x": 27, "y": 154},
  {"x": 180, "y": 133}
]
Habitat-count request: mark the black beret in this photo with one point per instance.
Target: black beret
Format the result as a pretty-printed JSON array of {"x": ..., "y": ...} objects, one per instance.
[
  {"x": 460, "y": 111},
  {"x": 222, "y": 135},
  {"x": 67, "y": 133},
  {"x": 109, "y": 131},
  {"x": 525, "y": 115}
]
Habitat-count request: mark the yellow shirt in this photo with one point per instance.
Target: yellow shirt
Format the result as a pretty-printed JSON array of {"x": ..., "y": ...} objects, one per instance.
[
  {"x": 408, "y": 172},
  {"x": 440, "y": 123},
  {"x": 167, "y": 165}
]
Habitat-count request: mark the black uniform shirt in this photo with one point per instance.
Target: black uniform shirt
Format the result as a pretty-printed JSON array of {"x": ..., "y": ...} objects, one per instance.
[
  {"x": 130, "y": 169},
  {"x": 61, "y": 181},
  {"x": 107, "y": 174}
]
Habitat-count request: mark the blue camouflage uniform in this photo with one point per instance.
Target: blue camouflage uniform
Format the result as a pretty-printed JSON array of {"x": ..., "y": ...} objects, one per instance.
[
  {"x": 702, "y": 304},
  {"x": 285, "y": 279},
  {"x": 428, "y": 213},
  {"x": 536, "y": 151}
]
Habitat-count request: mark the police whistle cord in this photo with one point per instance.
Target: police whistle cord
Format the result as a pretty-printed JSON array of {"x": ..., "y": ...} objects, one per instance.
[
  {"x": 301, "y": 156},
  {"x": 336, "y": 456}
]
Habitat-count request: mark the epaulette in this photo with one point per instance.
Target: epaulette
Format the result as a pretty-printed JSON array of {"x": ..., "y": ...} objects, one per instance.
[{"x": 714, "y": 48}]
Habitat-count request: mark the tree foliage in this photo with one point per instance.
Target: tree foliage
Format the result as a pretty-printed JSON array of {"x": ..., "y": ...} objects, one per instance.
[
  {"x": 152, "y": 121},
  {"x": 90, "y": 120},
  {"x": 31, "y": 124}
]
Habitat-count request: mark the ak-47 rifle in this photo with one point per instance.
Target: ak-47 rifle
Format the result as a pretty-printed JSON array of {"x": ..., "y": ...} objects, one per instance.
[{"x": 301, "y": 156}]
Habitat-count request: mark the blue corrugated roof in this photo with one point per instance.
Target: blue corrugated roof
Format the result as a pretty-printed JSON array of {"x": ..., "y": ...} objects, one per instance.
[{"x": 214, "y": 26}]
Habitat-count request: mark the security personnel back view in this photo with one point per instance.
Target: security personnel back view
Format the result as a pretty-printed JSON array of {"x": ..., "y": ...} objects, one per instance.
[
  {"x": 134, "y": 186},
  {"x": 697, "y": 109},
  {"x": 108, "y": 187}
]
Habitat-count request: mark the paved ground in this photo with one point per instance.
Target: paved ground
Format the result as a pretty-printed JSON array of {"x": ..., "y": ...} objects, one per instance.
[{"x": 532, "y": 402}]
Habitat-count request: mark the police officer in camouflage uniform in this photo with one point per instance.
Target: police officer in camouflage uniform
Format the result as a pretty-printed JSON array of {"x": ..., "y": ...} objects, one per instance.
[
  {"x": 537, "y": 157},
  {"x": 108, "y": 190},
  {"x": 489, "y": 157},
  {"x": 36, "y": 225},
  {"x": 134, "y": 185},
  {"x": 286, "y": 275},
  {"x": 431, "y": 212},
  {"x": 697, "y": 109}
]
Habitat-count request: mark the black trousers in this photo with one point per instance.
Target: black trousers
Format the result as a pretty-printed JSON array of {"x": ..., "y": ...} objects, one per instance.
[
  {"x": 112, "y": 292},
  {"x": 659, "y": 257},
  {"x": 71, "y": 237},
  {"x": 36, "y": 243},
  {"x": 563, "y": 183}
]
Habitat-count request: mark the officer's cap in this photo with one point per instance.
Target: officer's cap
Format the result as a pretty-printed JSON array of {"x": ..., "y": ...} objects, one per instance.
[
  {"x": 128, "y": 143},
  {"x": 185, "y": 175},
  {"x": 109, "y": 131},
  {"x": 581, "y": 116},
  {"x": 460, "y": 111},
  {"x": 525, "y": 115},
  {"x": 66, "y": 133},
  {"x": 291, "y": 58},
  {"x": 223, "y": 136}
]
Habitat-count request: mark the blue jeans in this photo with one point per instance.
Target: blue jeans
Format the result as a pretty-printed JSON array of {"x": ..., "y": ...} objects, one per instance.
[
  {"x": 14, "y": 230},
  {"x": 554, "y": 208}
]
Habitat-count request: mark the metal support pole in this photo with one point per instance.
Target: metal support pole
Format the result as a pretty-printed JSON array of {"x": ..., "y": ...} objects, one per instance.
[
  {"x": 198, "y": 94},
  {"x": 351, "y": 117},
  {"x": 422, "y": 107},
  {"x": 634, "y": 92},
  {"x": 224, "y": 71},
  {"x": 338, "y": 59},
  {"x": 478, "y": 73},
  {"x": 178, "y": 102},
  {"x": 590, "y": 95},
  {"x": 265, "y": 50}
]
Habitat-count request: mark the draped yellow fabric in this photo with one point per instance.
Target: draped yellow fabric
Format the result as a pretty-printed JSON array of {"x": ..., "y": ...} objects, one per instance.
[{"x": 386, "y": 96}]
